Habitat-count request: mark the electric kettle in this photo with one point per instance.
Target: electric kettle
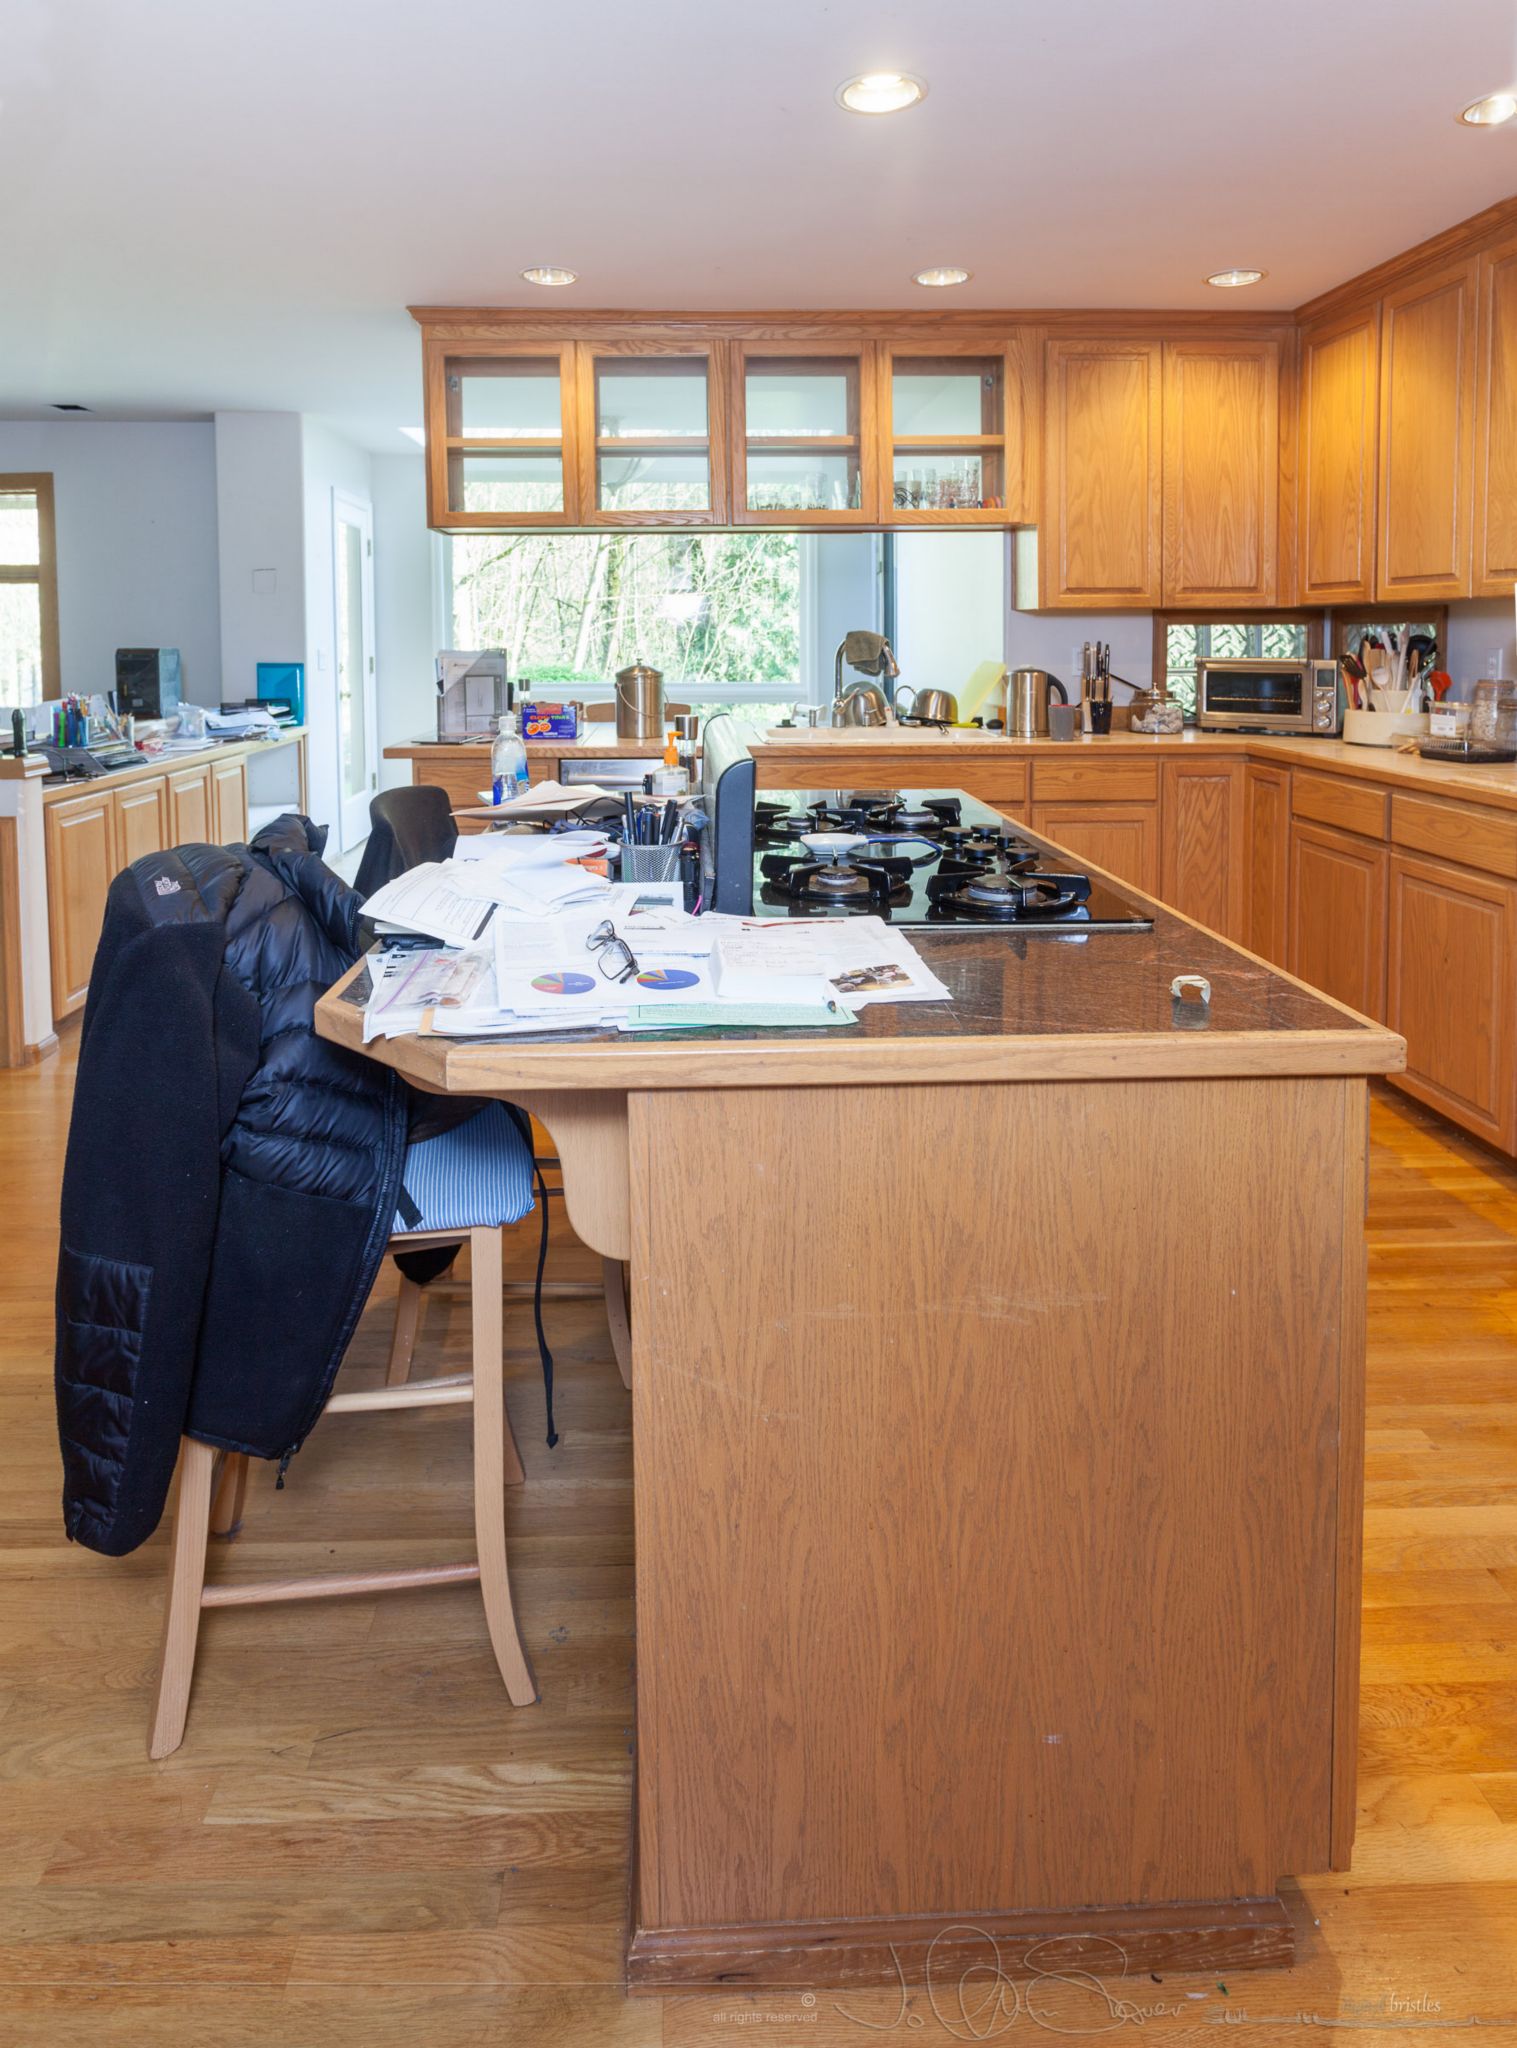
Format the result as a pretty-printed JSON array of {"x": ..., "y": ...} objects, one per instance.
[{"x": 1027, "y": 694}]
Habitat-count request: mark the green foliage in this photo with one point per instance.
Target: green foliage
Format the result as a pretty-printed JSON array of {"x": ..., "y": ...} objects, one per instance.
[{"x": 574, "y": 608}]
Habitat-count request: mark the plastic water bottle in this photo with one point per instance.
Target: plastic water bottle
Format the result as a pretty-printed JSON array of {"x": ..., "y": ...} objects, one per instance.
[{"x": 508, "y": 761}]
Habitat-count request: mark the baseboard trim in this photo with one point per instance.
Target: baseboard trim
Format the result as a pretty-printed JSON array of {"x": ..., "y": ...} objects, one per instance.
[{"x": 1109, "y": 1941}]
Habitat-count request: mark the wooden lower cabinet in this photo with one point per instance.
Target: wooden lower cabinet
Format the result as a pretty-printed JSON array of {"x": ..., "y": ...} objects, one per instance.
[
  {"x": 1122, "y": 838},
  {"x": 1452, "y": 954},
  {"x": 91, "y": 837},
  {"x": 1201, "y": 866},
  {"x": 80, "y": 836},
  {"x": 229, "y": 803},
  {"x": 142, "y": 820},
  {"x": 1337, "y": 915},
  {"x": 1266, "y": 850},
  {"x": 190, "y": 806}
]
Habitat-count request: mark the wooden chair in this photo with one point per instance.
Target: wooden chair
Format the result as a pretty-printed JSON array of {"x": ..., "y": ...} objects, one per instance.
[{"x": 212, "y": 1486}]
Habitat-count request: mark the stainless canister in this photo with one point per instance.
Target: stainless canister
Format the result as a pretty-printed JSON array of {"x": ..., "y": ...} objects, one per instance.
[{"x": 640, "y": 703}]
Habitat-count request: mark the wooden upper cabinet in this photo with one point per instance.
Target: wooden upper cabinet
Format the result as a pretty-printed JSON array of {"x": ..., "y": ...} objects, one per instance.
[
  {"x": 950, "y": 434},
  {"x": 1221, "y": 472},
  {"x": 1427, "y": 414},
  {"x": 501, "y": 447},
  {"x": 805, "y": 434},
  {"x": 1496, "y": 424},
  {"x": 651, "y": 433},
  {"x": 1100, "y": 546},
  {"x": 1340, "y": 384}
]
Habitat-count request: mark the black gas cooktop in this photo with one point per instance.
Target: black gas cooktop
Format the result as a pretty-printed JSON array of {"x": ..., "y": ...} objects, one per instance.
[{"x": 915, "y": 859}]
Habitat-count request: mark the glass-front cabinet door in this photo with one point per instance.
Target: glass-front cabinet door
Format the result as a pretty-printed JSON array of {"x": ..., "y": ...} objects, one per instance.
[
  {"x": 506, "y": 453},
  {"x": 805, "y": 454},
  {"x": 944, "y": 447},
  {"x": 651, "y": 435}
]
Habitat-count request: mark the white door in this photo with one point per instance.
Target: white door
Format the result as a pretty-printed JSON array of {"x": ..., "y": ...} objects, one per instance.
[{"x": 357, "y": 714}]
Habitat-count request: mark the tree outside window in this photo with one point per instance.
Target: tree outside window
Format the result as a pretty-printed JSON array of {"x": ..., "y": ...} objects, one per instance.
[{"x": 719, "y": 614}]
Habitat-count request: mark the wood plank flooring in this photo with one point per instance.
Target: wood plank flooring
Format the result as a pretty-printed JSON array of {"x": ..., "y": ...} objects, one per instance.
[{"x": 362, "y": 1844}]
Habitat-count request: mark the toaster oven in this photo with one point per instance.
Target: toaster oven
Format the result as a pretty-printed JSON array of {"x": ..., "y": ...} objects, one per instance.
[{"x": 1255, "y": 695}]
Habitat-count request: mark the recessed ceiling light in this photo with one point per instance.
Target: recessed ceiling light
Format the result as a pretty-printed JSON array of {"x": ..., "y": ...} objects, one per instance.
[
  {"x": 944, "y": 273},
  {"x": 416, "y": 434},
  {"x": 1490, "y": 112},
  {"x": 549, "y": 273},
  {"x": 1229, "y": 279},
  {"x": 880, "y": 92}
]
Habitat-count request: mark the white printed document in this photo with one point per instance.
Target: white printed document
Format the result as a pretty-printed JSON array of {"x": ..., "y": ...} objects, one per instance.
[{"x": 427, "y": 899}]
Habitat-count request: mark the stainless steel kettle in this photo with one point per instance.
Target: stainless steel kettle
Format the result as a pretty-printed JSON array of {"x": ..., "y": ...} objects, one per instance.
[
  {"x": 1027, "y": 693},
  {"x": 864, "y": 704}
]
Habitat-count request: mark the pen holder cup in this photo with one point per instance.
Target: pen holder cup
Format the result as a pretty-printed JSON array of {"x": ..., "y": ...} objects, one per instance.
[{"x": 650, "y": 863}]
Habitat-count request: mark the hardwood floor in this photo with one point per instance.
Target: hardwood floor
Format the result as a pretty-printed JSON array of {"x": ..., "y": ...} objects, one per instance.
[{"x": 362, "y": 1844}]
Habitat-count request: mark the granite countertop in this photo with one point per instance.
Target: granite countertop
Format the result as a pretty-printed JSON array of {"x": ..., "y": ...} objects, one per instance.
[{"x": 1026, "y": 1005}]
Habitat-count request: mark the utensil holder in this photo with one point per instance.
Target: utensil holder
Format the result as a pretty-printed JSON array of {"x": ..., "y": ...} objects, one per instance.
[
  {"x": 650, "y": 863},
  {"x": 1382, "y": 728}
]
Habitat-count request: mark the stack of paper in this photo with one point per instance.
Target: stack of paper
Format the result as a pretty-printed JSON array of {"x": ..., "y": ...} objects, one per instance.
[
  {"x": 543, "y": 799},
  {"x": 853, "y": 960},
  {"x": 406, "y": 982}
]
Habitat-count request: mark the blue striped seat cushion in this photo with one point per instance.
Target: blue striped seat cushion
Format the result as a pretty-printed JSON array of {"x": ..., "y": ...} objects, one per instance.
[{"x": 469, "y": 1178}]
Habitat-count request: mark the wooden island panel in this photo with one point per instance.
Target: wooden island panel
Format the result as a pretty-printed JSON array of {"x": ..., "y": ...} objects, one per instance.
[{"x": 975, "y": 1549}]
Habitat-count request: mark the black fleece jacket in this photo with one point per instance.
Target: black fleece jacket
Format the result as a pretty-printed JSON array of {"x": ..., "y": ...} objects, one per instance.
[{"x": 230, "y": 1180}]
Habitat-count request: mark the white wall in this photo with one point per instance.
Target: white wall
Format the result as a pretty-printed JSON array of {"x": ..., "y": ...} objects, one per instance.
[
  {"x": 135, "y": 505},
  {"x": 328, "y": 463},
  {"x": 261, "y": 568},
  {"x": 407, "y": 631},
  {"x": 950, "y": 606}
]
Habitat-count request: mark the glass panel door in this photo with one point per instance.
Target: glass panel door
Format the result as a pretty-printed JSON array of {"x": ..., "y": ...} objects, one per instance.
[
  {"x": 505, "y": 438},
  {"x": 353, "y": 607},
  {"x": 803, "y": 438},
  {"x": 947, "y": 438},
  {"x": 650, "y": 420}
]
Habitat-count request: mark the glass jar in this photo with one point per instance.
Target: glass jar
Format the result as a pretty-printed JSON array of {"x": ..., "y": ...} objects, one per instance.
[
  {"x": 1493, "y": 714},
  {"x": 1156, "y": 714}
]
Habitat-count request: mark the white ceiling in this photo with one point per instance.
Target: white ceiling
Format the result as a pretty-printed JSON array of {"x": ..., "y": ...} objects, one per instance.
[{"x": 220, "y": 206}]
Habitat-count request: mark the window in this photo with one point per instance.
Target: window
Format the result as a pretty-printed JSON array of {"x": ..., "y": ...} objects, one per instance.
[
  {"x": 718, "y": 613},
  {"x": 28, "y": 592},
  {"x": 1350, "y": 627},
  {"x": 1182, "y": 641}
]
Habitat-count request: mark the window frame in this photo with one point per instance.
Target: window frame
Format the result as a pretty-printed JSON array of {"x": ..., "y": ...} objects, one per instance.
[
  {"x": 1315, "y": 622},
  {"x": 1346, "y": 616},
  {"x": 687, "y": 689},
  {"x": 44, "y": 572}
]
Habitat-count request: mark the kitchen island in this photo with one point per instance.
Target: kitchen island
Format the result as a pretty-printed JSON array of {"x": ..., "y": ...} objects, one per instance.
[{"x": 997, "y": 1397}]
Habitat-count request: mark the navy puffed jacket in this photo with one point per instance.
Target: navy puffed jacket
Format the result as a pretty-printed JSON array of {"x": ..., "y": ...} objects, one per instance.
[{"x": 231, "y": 1179}]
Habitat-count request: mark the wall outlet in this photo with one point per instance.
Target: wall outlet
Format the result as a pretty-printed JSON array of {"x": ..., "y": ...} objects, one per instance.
[{"x": 265, "y": 582}]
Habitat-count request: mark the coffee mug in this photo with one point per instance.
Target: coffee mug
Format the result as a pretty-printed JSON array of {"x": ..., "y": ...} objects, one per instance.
[
  {"x": 1100, "y": 716},
  {"x": 1061, "y": 721}
]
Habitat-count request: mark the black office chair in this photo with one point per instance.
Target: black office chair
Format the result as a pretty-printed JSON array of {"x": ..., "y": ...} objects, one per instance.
[{"x": 406, "y": 827}]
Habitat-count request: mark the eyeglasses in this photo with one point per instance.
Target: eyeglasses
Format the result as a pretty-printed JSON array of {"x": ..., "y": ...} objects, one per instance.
[{"x": 615, "y": 958}]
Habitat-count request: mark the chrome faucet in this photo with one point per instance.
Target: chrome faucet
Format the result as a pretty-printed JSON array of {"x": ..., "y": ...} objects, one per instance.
[{"x": 864, "y": 703}]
